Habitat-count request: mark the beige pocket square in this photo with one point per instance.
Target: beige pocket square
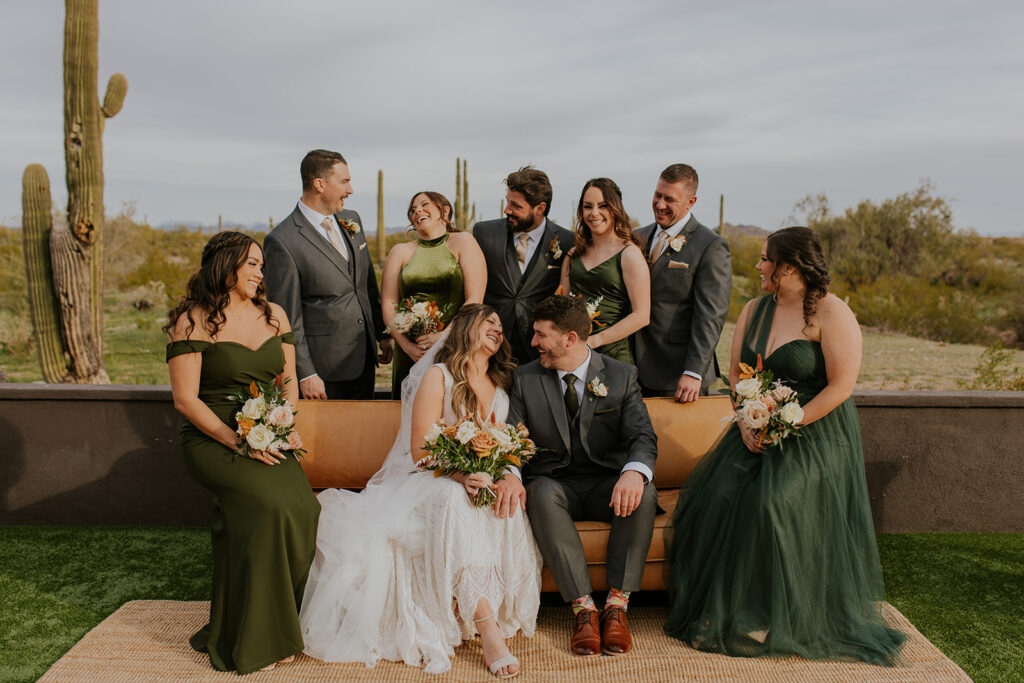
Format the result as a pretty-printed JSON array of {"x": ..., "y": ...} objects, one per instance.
[
  {"x": 678, "y": 264},
  {"x": 362, "y": 246},
  {"x": 554, "y": 267}
]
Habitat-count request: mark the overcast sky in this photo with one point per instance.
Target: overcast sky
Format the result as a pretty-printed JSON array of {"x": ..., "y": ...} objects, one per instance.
[{"x": 769, "y": 101}]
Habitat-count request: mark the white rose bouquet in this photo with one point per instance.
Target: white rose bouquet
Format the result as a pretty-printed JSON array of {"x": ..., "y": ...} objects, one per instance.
[
  {"x": 265, "y": 419},
  {"x": 415, "y": 318},
  {"x": 766, "y": 405},
  {"x": 468, "y": 447}
]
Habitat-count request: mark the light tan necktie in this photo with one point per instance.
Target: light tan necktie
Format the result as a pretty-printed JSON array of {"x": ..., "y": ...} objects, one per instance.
[
  {"x": 521, "y": 246},
  {"x": 659, "y": 244},
  {"x": 334, "y": 236}
]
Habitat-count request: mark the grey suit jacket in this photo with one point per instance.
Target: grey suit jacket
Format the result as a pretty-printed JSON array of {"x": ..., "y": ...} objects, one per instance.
[
  {"x": 334, "y": 310},
  {"x": 689, "y": 303},
  {"x": 515, "y": 296},
  {"x": 615, "y": 429}
]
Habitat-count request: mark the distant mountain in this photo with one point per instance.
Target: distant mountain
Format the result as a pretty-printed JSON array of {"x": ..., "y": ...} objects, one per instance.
[{"x": 746, "y": 230}]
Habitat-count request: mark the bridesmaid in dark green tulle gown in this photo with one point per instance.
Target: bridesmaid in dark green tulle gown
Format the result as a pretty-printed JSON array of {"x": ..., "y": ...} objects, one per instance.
[
  {"x": 773, "y": 549},
  {"x": 226, "y": 335},
  {"x": 608, "y": 269},
  {"x": 441, "y": 266}
]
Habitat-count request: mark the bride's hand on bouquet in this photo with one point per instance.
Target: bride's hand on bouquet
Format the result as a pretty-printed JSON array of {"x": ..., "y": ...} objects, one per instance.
[
  {"x": 750, "y": 439},
  {"x": 476, "y": 481}
]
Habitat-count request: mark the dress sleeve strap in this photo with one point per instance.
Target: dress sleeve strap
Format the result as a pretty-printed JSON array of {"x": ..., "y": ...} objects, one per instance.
[
  {"x": 288, "y": 338},
  {"x": 183, "y": 346}
]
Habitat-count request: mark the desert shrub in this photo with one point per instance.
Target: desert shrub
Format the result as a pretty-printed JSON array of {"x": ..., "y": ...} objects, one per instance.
[{"x": 995, "y": 371}]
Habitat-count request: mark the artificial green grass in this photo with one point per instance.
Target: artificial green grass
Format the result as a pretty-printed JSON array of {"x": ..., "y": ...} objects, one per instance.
[{"x": 963, "y": 591}]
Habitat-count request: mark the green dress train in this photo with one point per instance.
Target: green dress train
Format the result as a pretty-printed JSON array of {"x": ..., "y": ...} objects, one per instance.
[
  {"x": 264, "y": 523},
  {"x": 775, "y": 554},
  {"x": 605, "y": 281},
  {"x": 432, "y": 274}
]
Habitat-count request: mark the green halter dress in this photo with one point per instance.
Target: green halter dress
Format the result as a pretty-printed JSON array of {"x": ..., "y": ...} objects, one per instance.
[
  {"x": 774, "y": 553},
  {"x": 605, "y": 281},
  {"x": 264, "y": 518},
  {"x": 432, "y": 274}
]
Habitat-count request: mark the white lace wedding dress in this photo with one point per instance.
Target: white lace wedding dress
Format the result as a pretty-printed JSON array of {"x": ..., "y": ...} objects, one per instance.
[{"x": 393, "y": 561}]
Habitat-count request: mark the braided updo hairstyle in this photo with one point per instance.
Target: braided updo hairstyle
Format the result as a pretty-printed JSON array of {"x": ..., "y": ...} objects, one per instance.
[{"x": 800, "y": 247}]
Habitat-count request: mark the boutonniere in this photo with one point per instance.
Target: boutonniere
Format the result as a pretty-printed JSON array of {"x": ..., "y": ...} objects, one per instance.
[
  {"x": 555, "y": 249},
  {"x": 677, "y": 243},
  {"x": 597, "y": 388},
  {"x": 351, "y": 226}
]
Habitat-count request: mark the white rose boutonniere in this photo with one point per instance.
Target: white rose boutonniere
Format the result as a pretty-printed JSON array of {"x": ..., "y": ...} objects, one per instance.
[
  {"x": 351, "y": 226},
  {"x": 597, "y": 388},
  {"x": 555, "y": 249},
  {"x": 677, "y": 243}
]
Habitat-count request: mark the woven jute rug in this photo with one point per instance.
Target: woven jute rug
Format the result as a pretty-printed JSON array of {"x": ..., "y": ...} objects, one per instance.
[{"x": 147, "y": 640}]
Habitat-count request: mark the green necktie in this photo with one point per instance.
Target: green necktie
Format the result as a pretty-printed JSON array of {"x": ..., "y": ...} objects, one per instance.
[{"x": 572, "y": 403}]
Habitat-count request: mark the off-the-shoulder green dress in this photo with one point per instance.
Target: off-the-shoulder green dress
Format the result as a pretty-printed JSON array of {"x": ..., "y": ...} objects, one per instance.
[{"x": 264, "y": 519}]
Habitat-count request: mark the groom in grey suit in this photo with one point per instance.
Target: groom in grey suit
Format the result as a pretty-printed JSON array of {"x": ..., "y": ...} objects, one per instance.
[
  {"x": 524, "y": 253},
  {"x": 691, "y": 279},
  {"x": 595, "y": 458},
  {"x": 317, "y": 267}
]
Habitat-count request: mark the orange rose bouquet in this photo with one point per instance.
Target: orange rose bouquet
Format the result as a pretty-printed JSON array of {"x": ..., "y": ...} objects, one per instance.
[{"x": 468, "y": 447}]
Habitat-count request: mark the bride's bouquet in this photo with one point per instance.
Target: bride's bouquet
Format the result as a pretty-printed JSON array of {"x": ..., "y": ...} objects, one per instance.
[
  {"x": 265, "y": 419},
  {"x": 467, "y": 447},
  {"x": 416, "y": 318},
  {"x": 766, "y": 405}
]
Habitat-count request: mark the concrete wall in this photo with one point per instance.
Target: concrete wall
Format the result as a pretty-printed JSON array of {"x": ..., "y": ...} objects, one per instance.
[{"x": 935, "y": 461}]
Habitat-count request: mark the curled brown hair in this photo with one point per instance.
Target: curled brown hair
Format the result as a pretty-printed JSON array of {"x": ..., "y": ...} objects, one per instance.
[
  {"x": 533, "y": 184},
  {"x": 800, "y": 247},
  {"x": 566, "y": 313},
  {"x": 206, "y": 293},
  {"x": 438, "y": 200},
  {"x": 464, "y": 339},
  {"x": 613, "y": 198}
]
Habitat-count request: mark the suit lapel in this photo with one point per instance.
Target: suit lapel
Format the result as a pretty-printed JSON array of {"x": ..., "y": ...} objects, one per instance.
[
  {"x": 595, "y": 370},
  {"x": 506, "y": 247},
  {"x": 659, "y": 266},
  {"x": 353, "y": 253},
  {"x": 313, "y": 236},
  {"x": 538, "y": 266},
  {"x": 550, "y": 382}
]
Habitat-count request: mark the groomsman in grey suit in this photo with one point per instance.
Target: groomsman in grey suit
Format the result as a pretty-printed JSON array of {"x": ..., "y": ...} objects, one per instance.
[
  {"x": 524, "y": 253},
  {"x": 595, "y": 458},
  {"x": 691, "y": 278},
  {"x": 317, "y": 267}
]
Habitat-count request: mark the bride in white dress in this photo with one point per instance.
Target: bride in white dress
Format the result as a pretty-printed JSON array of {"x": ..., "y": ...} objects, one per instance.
[{"x": 409, "y": 567}]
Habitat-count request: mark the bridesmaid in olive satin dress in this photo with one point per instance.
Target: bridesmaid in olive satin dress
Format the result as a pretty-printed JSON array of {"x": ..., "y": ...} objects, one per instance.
[
  {"x": 226, "y": 335},
  {"x": 442, "y": 266},
  {"x": 607, "y": 268}
]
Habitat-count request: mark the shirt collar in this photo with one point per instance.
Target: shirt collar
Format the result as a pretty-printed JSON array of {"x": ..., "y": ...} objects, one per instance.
[
  {"x": 580, "y": 372},
  {"x": 314, "y": 217},
  {"x": 676, "y": 228}
]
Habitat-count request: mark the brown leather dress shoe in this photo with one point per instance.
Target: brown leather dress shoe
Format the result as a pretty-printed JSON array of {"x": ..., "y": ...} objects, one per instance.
[
  {"x": 586, "y": 639},
  {"x": 615, "y": 638}
]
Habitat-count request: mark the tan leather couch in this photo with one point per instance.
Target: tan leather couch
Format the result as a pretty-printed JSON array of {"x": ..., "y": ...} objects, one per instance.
[{"x": 348, "y": 440}]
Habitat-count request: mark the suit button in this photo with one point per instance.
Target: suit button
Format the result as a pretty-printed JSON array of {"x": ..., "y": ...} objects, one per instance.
[{"x": 360, "y": 321}]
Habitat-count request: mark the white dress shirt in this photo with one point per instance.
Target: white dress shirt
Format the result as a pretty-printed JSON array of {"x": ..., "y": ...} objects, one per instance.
[
  {"x": 317, "y": 218},
  {"x": 672, "y": 233}
]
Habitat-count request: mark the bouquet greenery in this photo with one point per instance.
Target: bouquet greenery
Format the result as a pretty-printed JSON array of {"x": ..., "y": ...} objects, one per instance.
[{"x": 467, "y": 447}]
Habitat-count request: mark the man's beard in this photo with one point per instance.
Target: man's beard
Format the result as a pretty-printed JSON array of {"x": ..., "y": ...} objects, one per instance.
[{"x": 514, "y": 225}]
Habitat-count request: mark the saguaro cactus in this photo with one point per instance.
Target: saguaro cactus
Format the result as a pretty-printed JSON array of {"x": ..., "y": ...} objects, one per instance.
[
  {"x": 75, "y": 249},
  {"x": 36, "y": 224}
]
